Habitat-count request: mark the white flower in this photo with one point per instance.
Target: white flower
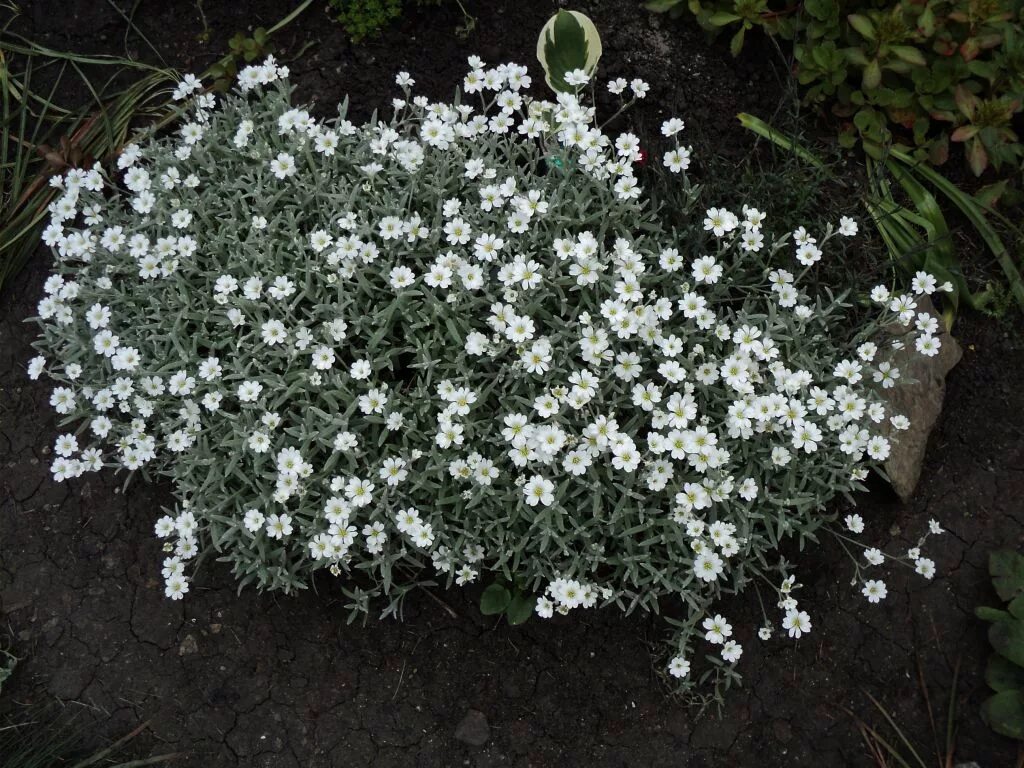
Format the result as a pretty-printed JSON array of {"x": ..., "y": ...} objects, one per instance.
[
  {"x": 717, "y": 629},
  {"x": 874, "y": 590},
  {"x": 253, "y": 520},
  {"x": 249, "y": 391},
  {"x": 732, "y": 651},
  {"x": 874, "y": 556},
  {"x": 577, "y": 77},
  {"x": 927, "y": 345},
  {"x": 924, "y": 283},
  {"x": 283, "y": 166},
  {"x": 796, "y": 622},
  {"x": 176, "y": 587},
  {"x": 707, "y": 270},
  {"x": 539, "y": 490},
  {"x": 707, "y": 566},
  {"x": 925, "y": 567},
  {"x": 679, "y": 667},
  {"x": 677, "y": 160},
  {"x": 279, "y": 526},
  {"x": 545, "y": 608},
  {"x": 672, "y": 126}
]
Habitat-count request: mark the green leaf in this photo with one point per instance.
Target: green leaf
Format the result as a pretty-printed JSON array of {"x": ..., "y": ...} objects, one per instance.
[
  {"x": 520, "y": 608},
  {"x": 909, "y": 54},
  {"x": 823, "y": 10},
  {"x": 1001, "y": 674},
  {"x": 1007, "y": 638},
  {"x": 989, "y": 195},
  {"x": 660, "y": 6},
  {"x": 736, "y": 44},
  {"x": 721, "y": 18},
  {"x": 1006, "y": 568},
  {"x": 855, "y": 56},
  {"x": 872, "y": 75},
  {"x": 1017, "y": 607},
  {"x": 964, "y": 132},
  {"x": 568, "y": 41},
  {"x": 862, "y": 24},
  {"x": 977, "y": 157},
  {"x": 926, "y": 22},
  {"x": 991, "y": 614},
  {"x": 1004, "y": 713},
  {"x": 494, "y": 600}
]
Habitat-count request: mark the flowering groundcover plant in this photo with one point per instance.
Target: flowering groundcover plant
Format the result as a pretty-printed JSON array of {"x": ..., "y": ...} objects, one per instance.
[{"x": 458, "y": 345}]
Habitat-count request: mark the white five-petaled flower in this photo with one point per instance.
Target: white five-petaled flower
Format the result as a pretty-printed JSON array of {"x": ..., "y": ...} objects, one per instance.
[{"x": 539, "y": 490}]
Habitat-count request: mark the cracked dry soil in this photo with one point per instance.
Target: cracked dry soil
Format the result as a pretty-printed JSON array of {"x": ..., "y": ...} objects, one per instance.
[{"x": 261, "y": 680}]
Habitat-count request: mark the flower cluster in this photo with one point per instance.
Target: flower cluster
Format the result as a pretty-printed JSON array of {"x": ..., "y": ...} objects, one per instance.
[{"x": 458, "y": 342}]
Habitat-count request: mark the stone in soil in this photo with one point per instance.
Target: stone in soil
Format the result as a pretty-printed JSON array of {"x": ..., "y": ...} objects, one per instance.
[{"x": 474, "y": 729}]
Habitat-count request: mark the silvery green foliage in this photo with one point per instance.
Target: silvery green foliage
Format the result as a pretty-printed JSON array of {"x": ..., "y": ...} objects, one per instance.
[{"x": 452, "y": 343}]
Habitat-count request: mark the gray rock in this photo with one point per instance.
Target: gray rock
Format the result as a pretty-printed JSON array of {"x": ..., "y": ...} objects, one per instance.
[
  {"x": 473, "y": 729},
  {"x": 918, "y": 396},
  {"x": 188, "y": 646}
]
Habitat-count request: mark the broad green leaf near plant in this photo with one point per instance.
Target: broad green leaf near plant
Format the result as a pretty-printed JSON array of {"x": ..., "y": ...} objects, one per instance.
[
  {"x": 516, "y": 605},
  {"x": 1007, "y": 571},
  {"x": 1001, "y": 674},
  {"x": 567, "y": 42},
  {"x": 1004, "y": 713},
  {"x": 520, "y": 609},
  {"x": 495, "y": 599},
  {"x": 1007, "y": 638},
  {"x": 1004, "y": 673}
]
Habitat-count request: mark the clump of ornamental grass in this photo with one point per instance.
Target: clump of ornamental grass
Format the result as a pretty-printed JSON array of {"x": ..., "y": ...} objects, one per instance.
[{"x": 456, "y": 344}]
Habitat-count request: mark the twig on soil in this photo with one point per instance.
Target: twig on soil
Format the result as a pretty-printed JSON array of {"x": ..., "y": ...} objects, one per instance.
[
  {"x": 448, "y": 609},
  {"x": 401, "y": 677}
]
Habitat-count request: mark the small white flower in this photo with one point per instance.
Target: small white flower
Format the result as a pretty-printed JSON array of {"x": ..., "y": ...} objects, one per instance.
[
  {"x": 855, "y": 523},
  {"x": 679, "y": 667},
  {"x": 874, "y": 590},
  {"x": 539, "y": 490},
  {"x": 796, "y": 622},
  {"x": 283, "y": 166}
]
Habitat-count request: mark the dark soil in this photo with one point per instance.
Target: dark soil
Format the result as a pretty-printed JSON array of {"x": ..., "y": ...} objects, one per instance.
[{"x": 259, "y": 680}]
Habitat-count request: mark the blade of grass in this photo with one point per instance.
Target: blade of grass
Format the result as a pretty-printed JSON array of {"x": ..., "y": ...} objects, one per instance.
[
  {"x": 150, "y": 760},
  {"x": 130, "y": 26},
  {"x": 103, "y": 753},
  {"x": 877, "y": 744},
  {"x": 901, "y": 230},
  {"x": 290, "y": 17},
  {"x": 951, "y": 716},
  {"x": 975, "y": 213},
  {"x": 928, "y": 708},
  {"x": 761, "y": 128},
  {"x": 896, "y": 728},
  {"x": 873, "y": 748}
]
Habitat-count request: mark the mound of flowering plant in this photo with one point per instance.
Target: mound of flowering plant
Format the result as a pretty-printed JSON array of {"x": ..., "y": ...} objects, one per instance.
[{"x": 459, "y": 345}]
